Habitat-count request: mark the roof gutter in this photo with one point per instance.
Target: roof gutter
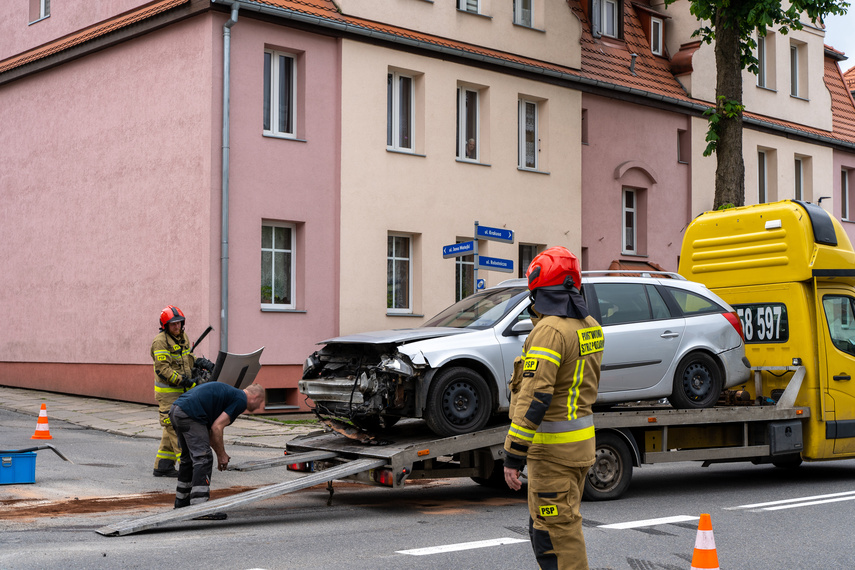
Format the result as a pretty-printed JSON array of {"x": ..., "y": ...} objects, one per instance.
[
  {"x": 224, "y": 253},
  {"x": 354, "y": 29}
]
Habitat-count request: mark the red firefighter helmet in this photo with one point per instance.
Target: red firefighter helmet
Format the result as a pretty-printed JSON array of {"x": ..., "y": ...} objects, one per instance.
[
  {"x": 553, "y": 267},
  {"x": 171, "y": 314}
]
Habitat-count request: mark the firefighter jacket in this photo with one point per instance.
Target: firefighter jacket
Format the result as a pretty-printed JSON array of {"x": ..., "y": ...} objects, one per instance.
[
  {"x": 172, "y": 360},
  {"x": 553, "y": 387}
]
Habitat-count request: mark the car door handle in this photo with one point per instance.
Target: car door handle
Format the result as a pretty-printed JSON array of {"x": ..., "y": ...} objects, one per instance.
[
  {"x": 669, "y": 334},
  {"x": 842, "y": 377}
]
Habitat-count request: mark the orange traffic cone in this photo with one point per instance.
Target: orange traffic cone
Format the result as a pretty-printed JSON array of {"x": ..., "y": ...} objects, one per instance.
[
  {"x": 42, "y": 431},
  {"x": 705, "y": 557}
]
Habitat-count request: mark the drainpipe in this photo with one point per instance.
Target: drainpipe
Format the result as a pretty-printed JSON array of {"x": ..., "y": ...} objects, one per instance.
[{"x": 224, "y": 255}]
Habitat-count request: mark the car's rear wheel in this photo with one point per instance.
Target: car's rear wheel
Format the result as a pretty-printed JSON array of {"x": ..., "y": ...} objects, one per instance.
[
  {"x": 697, "y": 383},
  {"x": 458, "y": 402}
]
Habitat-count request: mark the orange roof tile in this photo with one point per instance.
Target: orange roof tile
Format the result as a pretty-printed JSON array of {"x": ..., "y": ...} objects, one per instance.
[
  {"x": 89, "y": 33},
  {"x": 842, "y": 105}
]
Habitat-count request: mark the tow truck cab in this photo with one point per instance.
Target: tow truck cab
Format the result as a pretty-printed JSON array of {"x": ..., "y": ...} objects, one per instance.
[{"x": 788, "y": 268}]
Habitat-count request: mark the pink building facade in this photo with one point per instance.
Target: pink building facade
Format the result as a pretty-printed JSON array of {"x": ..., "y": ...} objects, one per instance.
[{"x": 114, "y": 209}]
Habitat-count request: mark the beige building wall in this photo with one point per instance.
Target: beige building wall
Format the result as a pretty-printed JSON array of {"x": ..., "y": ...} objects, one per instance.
[
  {"x": 436, "y": 198},
  {"x": 703, "y": 169},
  {"x": 554, "y": 35},
  {"x": 817, "y": 165},
  {"x": 811, "y": 106}
]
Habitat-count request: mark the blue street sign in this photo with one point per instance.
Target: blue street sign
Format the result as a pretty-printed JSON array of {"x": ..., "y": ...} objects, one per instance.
[
  {"x": 495, "y": 234},
  {"x": 480, "y": 284},
  {"x": 495, "y": 264},
  {"x": 458, "y": 249}
]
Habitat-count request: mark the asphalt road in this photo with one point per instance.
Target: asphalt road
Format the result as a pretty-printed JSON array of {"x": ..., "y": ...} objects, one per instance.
[{"x": 763, "y": 517}]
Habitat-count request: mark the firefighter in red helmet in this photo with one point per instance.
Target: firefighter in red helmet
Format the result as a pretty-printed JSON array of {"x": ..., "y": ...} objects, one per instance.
[
  {"x": 553, "y": 387},
  {"x": 173, "y": 375}
]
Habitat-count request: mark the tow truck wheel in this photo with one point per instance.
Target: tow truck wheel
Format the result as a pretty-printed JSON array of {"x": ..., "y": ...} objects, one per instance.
[
  {"x": 458, "y": 402},
  {"x": 496, "y": 480},
  {"x": 697, "y": 382},
  {"x": 611, "y": 473}
]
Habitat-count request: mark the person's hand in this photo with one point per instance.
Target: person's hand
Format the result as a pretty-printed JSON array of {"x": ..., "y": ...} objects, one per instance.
[
  {"x": 512, "y": 478},
  {"x": 223, "y": 461},
  {"x": 185, "y": 382}
]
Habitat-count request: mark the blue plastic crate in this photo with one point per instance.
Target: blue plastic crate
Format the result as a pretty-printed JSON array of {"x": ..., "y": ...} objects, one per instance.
[{"x": 17, "y": 468}]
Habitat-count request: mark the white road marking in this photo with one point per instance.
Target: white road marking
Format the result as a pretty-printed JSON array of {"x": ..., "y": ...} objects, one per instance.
[
  {"x": 800, "y": 502},
  {"x": 461, "y": 546},
  {"x": 649, "y": 522}
]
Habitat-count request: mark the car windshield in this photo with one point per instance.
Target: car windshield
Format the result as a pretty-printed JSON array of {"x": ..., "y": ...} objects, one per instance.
[{"x": 479, "y": 311}]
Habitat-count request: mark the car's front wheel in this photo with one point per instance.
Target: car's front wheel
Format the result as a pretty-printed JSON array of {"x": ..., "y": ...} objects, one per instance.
[
  {"x": 458, "y": 402},
  {"x": 697, "y": 383}
]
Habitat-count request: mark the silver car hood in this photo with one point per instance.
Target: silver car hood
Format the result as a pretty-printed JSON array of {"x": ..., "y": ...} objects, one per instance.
[{"x": 398, "y": 336}]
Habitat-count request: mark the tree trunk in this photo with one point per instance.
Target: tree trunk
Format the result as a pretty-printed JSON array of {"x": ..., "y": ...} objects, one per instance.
[{"x": 730, "y": 167}]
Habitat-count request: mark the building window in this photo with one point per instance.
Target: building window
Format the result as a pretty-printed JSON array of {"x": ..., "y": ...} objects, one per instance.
[
  {"x": 605, "y": 18},
  {"x": 794, "y": 70},
  {"x": 464, "y": 275},
  {"x": 528, "y": 136},
  {"x": 584, "y": 126},
  {"x": 277, "y": 265},
  {"x": 399, "y": 273},
  {"x": 630, "y": 222},
  {"x": 400, "y": 104},
  {"x": 798, "y": 175},
  {"x": 844, "y": 194},
  {"x": 279, "y": 94},
  {"x": 527, "y": 254},
  {"x": 467, "y": 124},
  {"x": 798, "y": 70},
  {"x": 39, "y": 9},
  {"x": 761, "y": 61},
  {"x": 523, "y": 13},
  {"x": 684, "y": 146},
  {"x": 473, "y": 6},
  {"x": 656, "y": 36},
  {"x": 761, "y": 177}
]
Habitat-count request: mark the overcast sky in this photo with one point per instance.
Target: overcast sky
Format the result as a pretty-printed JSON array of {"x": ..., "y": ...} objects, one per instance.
[{"x": 840, "y": 34}]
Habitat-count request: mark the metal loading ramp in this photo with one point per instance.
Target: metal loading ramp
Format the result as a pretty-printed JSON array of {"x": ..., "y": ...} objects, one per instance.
[{"x": 221, "y": 505}]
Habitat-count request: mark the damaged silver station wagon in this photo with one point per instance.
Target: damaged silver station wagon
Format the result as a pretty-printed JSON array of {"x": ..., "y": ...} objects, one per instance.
[{"x": 664, "y": 338}]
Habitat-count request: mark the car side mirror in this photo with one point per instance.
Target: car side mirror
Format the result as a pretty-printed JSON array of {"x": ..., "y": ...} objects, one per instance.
[{"x": 522, "y": 327}]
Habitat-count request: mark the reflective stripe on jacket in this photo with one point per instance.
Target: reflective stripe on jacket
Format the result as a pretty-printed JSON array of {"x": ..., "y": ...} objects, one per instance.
[
  {"x": 553, "y": 387},
  {"x": 172, "y": 360}
]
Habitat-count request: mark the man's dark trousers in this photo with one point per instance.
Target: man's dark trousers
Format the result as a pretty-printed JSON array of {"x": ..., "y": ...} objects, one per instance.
[{"x": 197, "y": 460}]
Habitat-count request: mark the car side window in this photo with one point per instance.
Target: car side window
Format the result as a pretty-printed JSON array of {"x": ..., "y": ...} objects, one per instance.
[
  {"x": 692, "y": 303},
  {"x": 841, "y": 321},
  {"x": 622, "y": 303},
  {"x": 657, "y": 303}
]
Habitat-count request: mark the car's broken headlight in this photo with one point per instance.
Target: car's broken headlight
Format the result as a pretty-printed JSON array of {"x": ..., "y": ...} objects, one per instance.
[
  {"x": 312, "y": 366},
  {"x": 396, "y": 365}
]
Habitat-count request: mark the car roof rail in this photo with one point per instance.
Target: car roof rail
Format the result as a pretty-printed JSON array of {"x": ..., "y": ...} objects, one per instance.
[{"x": 635, "y": 273}]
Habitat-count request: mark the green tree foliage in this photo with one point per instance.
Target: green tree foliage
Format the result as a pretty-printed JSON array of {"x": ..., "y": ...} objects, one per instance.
[{"x": 732, "y": 24}]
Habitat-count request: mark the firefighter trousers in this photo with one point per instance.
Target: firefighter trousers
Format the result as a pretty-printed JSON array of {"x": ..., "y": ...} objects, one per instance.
[
  {"x": 169, "y": 450},
  {"x": 555, "y": 525},
  {"x": 197, "y": 460}
]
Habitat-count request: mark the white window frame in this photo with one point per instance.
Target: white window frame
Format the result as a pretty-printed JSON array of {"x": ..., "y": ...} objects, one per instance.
[
  {"x": 44, "y": 8},
  {"x": 629, "y": 230},
  {"x": 602, "y": 20},
  {"x": 523, "y": 106},
  {"x": 461, "y": 284},
  {"x": 395, "y": 257},
  {"x": 844, "y": 194},
  {"x": 273, "y": 114},
  {"x": 794, "y": 70},
  {"x": 520, "y": 13},
  {"x": 462, "y": 121},
  {"x": 468, "y": 5},
  {"x": 761, "y": 61},
  {"x": 762, "y": 177},
  {"x": 657, "y": 26},
  {"x": 395, "y": 100},
  {"x": 292, "y": 228},
  {"x": 799, "y": 179}
]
